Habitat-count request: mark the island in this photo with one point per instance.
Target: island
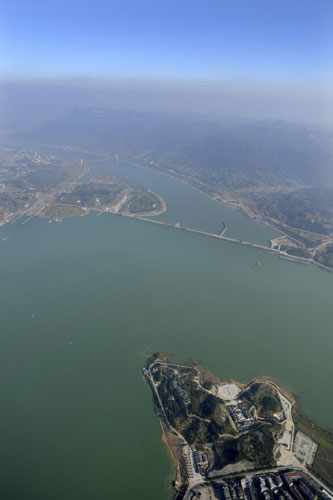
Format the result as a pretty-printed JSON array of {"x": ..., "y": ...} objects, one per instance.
[{"x": 235, "y": 441}]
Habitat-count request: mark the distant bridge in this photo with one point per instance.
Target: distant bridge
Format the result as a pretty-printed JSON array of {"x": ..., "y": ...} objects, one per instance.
[{"x": 204, "y": 233}]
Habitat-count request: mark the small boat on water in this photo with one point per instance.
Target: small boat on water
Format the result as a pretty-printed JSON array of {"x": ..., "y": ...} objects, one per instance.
[
  {"x": 256, "y": 266},
  {"x": 3, "y": 239}
]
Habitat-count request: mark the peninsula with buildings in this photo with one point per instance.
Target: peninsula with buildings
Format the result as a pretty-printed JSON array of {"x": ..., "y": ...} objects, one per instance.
[
  {"x": 39, "y": 184},
  {"x": 234, "y": 441}
]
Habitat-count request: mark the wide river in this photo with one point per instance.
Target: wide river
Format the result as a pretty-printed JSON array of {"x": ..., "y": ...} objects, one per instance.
[{"x": 84, "y": 301}]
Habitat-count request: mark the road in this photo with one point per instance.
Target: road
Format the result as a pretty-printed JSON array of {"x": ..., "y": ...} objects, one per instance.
[
  {"x": 205, "y": 233},
  {"x": 151, "y": 378},
  {"x": 45, "y": 199},
  {"x": 284, "y": 255}
]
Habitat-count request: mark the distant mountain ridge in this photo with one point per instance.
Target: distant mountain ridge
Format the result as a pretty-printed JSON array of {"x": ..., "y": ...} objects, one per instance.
[{"x": 227, "y": 152}]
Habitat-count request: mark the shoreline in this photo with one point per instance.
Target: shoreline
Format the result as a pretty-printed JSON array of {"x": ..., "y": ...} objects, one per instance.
[
  {"x": 153, "y": 213},
  {"x": 171, "y": 453},
  {"x": 88, "y": 210},
  {"x": 265, "y": 224},
  {"x": 169, "y": 173},
  {"x": 218, "y": 202},
  {"x": 287, "y": 410}
]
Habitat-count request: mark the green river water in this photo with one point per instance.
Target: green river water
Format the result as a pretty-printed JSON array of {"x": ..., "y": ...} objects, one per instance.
[{"x": 84, "y": 301}]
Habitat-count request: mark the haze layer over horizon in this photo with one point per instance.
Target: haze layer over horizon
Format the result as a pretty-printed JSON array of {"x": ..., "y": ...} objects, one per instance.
[{"x": 249, "y": 59}]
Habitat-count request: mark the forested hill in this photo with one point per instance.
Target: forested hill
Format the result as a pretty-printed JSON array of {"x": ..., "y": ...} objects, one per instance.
[{"x": 226, "y": 152}]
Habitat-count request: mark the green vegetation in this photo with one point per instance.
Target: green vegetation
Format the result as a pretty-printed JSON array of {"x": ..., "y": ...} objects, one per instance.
[
  {"x": 92, "y": 194},
  {"x": 46, "y": 178},
  {"x": 206, "y": 422},
  {"x": 222, "y": 420},
  {"x": 198, "y": 432},
  {"x": 299, "y": 252},
  {"x": 11, "y": 202},
  {"x": 207, "y": 385},
  {"x": 162, "y": 356},
  {"x": 7, "y": 204},
  {"x": 237, "y": 159},
  {"x": 308, "y": 239},
  {"x": 24, "y": 175},
  {"x": 144, "y": 202},
  {"x": 207, "y": 379},
  {"x": 255, "y": 446},
  {"x": 171, "y": 400},
  {"x": 199, "y": 403},
  {"x": 195, "y": 432},
  {"x": 323, "y": 463},
  {"x": 325, "y": 256},
  {"x": 208, "y": 406},
  {"x": 210, "y": 152},
  {"x": 264, "y": 398},
  {"x": 61, "y": 211},
  {"x": 95, "y": 194},
  {"x": 226, "y": 452},
  {"x": 307, "y": 209},
  {"x": 203, "y": 418}
]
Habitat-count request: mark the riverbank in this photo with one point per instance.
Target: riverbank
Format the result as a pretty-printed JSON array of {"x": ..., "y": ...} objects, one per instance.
[
  {"x": 152, "y": 213},
  {"x": 259, "y": 221}
]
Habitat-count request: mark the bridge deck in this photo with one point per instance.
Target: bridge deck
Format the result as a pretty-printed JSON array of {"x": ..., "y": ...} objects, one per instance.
[{"x": 218, "y": 236}]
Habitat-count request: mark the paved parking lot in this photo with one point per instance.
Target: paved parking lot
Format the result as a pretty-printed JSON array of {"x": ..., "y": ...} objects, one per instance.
[{"x": 305, "y": 448}]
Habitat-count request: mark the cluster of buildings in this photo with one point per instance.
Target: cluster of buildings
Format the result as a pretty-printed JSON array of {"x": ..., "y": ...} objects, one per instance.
[
  {"x": 240, "y": 415},
  {"x": 181, "y": 393},
  {"x": 174, "y": 384},
  {"x": 200, "y": 461},
  {"x": 280, "y": 485},
  {"x": 271, "y": 486},
  {"x": 159, "y": 369},
  {"x": 283, "y": 485},
  {"x": 188, "y": 460},
  {"x": 20, "y": 180},
  {"x": 236, "y": 490},
  {"x": 196, "y": 462},
  {"x": 304, "y": 488}
]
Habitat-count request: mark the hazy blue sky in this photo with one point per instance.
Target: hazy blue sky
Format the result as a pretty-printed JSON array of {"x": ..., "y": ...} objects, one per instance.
[
  {"x": 254, "y": 58},
  {"x": 271, "y": 40}
]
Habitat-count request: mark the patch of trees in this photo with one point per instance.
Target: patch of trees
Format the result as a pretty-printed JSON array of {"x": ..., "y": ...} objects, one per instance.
[
  {"x": 207, "y": 385},
  {"x": 212, "y": 431},
  {"x": 256, "y": 447},
  {"x": 269, "y": 405},
  {"x": 226, "y": 452},
  {"x": 191, "y": 432},
  {"x": 208, "y": 406},
  {"x": 264, "y": 397},
  {"x": 325, "y": 256}
]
